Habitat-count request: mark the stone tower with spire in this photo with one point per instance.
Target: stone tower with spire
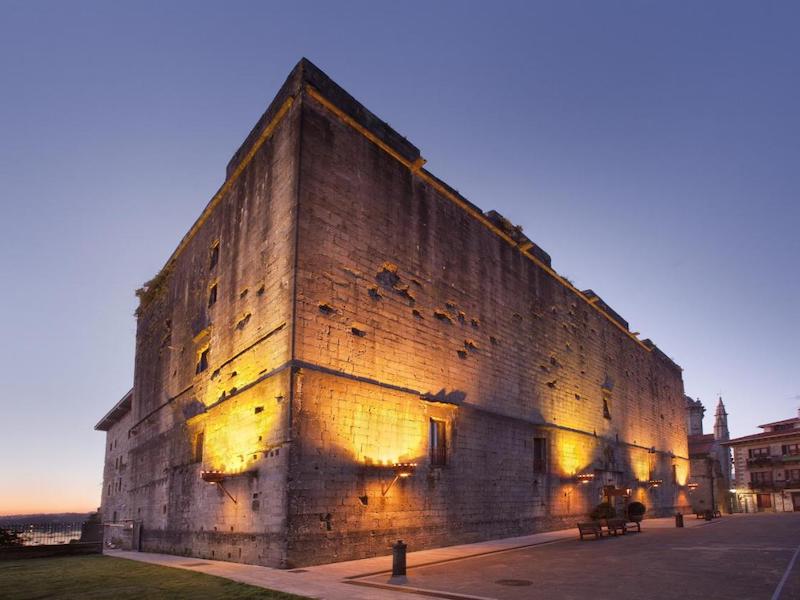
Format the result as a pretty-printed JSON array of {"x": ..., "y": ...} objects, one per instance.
[{"x": 721, "y": 434}]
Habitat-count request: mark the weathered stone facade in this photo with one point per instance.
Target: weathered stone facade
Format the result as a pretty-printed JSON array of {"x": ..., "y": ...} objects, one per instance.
[
  {"x": 709, "y": 460},
  {"x": 337, "y": 310},
  {"x": 115, "y": 500}
]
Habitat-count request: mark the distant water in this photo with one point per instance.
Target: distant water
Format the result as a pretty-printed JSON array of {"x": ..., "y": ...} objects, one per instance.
[{"x": 37, "y": 534}]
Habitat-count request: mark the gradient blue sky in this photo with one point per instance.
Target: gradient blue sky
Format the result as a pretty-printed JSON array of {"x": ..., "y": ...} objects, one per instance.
[{"x": 652, "y": 148}]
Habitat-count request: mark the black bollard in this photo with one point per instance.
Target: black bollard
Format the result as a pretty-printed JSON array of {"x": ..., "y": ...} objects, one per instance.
[
  {"x": 399, "y": 559},
  {"x": 678, "y": 520}
]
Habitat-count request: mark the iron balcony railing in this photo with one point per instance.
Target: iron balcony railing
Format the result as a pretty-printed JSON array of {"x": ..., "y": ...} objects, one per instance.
[
  {"x": 766, "y": 486},
  {"x": 762, "y": 461}
]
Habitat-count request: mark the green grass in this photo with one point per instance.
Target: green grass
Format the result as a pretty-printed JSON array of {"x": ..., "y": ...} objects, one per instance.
[{"x": 107, "y": 577}]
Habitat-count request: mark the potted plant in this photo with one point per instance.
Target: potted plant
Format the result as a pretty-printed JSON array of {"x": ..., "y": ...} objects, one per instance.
[
  {"x": 602, "y": 512},
  {"x": 636, "y": 512}
]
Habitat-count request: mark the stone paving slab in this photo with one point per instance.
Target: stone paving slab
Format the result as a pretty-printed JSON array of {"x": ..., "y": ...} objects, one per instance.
[
  {"x": 750, "y": 557},
  {"x": 344, "y": 580}
]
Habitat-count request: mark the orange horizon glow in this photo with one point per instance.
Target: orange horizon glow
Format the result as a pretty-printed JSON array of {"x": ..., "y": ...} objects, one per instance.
[{"x": 47, "y": 501}]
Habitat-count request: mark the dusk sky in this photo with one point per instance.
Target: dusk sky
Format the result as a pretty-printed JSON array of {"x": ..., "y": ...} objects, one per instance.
[{"x": 653, "y": 149}]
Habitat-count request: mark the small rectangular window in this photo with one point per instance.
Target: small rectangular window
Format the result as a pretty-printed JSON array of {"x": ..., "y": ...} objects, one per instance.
[
  {"x": 438, "y": 443},
  {"x": 202, "y": 361},
  {"x": 758, "y": 452},
  {"x": 540, "y": 455},
  {"x": 790, "y": 449},
  {"x": 212, "y": 295},
  {"x": 198, "y": 447},
  {"x": 606, "y": 409},
  {"x": 214, "y": 257}
]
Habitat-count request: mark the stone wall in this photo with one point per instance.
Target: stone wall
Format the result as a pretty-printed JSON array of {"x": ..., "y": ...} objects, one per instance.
[
  {"x": 406, "y": 305},
  {"x": 358, "y": 297},
  {"x": 115, "y": 500},
  {"x": 211, "y": 386}
]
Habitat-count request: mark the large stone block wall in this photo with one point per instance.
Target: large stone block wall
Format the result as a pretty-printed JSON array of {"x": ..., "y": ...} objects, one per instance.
[
  {"x": 243, "y": 519},
  {"x": 355, "y": 302},
  {"x": 348, "y": 433},
  {"x": 399, "y": 286},
  {"x": 444, "y": 306},
  {"x": 237, "y": 405}
]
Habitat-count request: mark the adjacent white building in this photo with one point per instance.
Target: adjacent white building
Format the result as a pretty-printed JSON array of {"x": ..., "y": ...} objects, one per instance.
[{"x": 768, "y": 468}]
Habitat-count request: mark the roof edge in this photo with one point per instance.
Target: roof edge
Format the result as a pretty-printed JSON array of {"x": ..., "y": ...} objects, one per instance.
[
  {"x": 119, "y": 410},
  {"x": 306, "y": 72},
  {"x": 763, "y": 436}
]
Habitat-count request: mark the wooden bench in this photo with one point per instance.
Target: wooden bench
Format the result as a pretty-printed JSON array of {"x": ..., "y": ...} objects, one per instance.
[
  {"x": 715, "y": 514},
  {"x": 590, "y": 528},
  {"x": 616, "y": 526}
]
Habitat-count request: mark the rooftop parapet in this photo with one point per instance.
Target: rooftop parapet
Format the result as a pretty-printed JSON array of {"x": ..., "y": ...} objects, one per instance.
[
  {"x": 306, "y": 73},
  {"x": 599, "y": 303},
  {"x": 515, "y": 233}
]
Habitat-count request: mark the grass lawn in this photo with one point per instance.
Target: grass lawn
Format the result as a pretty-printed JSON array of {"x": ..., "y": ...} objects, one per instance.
[{"x": 108, "y": 577}]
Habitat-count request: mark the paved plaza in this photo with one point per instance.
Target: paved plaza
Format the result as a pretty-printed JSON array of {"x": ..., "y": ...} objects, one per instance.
[{"x": 738, "y": 557}]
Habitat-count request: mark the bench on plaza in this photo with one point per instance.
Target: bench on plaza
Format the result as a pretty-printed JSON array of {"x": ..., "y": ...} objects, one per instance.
[
  {"x": 616, "y": 526},
  {"x": 590, "y": 528},
  {"x": 630, "y": 524},
  {"x": 702, "y": 514}
]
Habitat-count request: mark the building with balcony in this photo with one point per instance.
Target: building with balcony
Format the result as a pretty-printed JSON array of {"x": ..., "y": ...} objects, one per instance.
[{"x": 768, "y": 467}]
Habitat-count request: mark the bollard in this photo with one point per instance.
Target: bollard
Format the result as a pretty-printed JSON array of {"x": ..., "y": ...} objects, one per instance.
[
  {"x": 399, "y": 559},
  {"x": 678, "y": 520}
]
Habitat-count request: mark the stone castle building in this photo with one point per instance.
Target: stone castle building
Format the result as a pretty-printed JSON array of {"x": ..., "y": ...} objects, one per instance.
[
  {"x": 768, "y": 468},
  {"x": 709, "y": 459},
  {"x": 344, "y": 351}
]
